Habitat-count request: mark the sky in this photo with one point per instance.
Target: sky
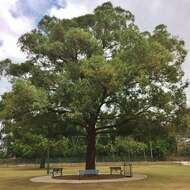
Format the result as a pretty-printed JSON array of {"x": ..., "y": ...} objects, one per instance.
[{"x": 20, "y": 16}]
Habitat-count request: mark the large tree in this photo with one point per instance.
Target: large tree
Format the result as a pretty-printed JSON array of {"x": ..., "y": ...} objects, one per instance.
[{"x": 99, "y": 72}]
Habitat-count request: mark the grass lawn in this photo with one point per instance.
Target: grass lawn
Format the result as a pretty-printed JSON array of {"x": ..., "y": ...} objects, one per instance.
[{"x": 160, "y": 177}]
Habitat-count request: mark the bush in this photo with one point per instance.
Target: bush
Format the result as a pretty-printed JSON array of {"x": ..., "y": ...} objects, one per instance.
[{"x": 162, "y": 148}]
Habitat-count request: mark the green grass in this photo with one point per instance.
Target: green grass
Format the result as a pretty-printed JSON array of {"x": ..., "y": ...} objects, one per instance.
[{"x": 160, "y": 177}]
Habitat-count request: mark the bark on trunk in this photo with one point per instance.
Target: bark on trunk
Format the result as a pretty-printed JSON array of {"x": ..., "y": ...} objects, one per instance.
[
  {"x": 42, "y": 163},
  {"x": 91, "y": 148}
]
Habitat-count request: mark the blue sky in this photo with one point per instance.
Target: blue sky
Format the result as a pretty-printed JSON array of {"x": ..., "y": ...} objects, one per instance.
[
  {"x": 20, "y": 16},
  {"x": 35, "y": 8}
]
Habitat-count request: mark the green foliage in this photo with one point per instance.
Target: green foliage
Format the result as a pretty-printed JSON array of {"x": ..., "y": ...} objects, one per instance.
[
  {"x": 31, "y": 146},
  {"x": 162, "y": 148},
  {"x": 25, "y": 99},
  {"x": 185, "y": 151},
  {"x": 128, "y": 145}
]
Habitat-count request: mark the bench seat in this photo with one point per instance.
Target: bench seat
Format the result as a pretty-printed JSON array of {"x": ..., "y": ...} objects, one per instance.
[{"x": 88, "y": 172}]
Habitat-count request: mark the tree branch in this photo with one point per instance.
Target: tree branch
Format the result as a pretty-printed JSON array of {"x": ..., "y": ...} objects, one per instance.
[
  {"x": 105, "y": 127},
  {"x": 105, "y": 132},
  {"x": 123, "y": 121}
]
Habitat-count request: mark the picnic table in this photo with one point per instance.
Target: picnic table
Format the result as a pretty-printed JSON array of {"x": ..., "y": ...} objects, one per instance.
[
  {"x": 54, "y": 171},
  {"x": 116, "y": 169}
]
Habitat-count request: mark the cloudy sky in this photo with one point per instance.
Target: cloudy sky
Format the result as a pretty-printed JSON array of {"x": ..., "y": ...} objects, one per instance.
[{"x": 20, "y": 16}]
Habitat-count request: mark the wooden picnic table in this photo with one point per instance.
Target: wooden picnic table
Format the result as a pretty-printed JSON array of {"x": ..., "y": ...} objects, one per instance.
[{"x": 116, "y": 168}]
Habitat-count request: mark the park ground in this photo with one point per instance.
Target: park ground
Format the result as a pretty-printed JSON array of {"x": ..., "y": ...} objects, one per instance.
[{"x": 160, "y": 177}]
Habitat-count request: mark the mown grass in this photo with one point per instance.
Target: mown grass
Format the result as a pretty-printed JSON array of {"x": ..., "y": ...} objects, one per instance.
[{"x": 160, "y": 177}]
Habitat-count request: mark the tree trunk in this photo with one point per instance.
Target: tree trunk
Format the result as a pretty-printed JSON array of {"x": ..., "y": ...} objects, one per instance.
[
  {"x": 42, "y": 163},
  {"x": 151, "y": 151},
  {"x": 91, "y": 148}
]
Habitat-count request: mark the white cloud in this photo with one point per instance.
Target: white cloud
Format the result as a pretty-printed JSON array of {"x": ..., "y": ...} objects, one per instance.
[
  {"x": 4, "y": 86},
  {"x": 70, "y": 11},
  {"x": 11, "y": 28},
  {"x": 9, "y": 49}
]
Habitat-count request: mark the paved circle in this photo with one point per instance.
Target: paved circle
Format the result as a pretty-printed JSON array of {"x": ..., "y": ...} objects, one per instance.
[{"x": 48, "y": 179}]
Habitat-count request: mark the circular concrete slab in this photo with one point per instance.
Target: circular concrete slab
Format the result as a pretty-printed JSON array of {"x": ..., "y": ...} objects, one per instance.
[{"x": 49, "y": 179}]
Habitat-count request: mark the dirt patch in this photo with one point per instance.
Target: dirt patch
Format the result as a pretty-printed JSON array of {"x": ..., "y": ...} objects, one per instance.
[{"x": 88, "y": 177}]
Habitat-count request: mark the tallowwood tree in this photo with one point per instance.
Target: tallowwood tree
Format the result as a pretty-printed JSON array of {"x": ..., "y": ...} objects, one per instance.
[{"x": 99, "y": 72}]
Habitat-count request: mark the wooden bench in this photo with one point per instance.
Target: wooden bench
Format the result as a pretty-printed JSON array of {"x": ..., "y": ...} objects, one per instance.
[
  {"x": 54, "y": 171},
  {"x": 88, "y": 172},
  {"x": 116, "y": 168}
]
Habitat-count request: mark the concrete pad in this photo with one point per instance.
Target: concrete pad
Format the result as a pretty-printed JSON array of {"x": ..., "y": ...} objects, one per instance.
[{"x": 49, "y": 179}]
